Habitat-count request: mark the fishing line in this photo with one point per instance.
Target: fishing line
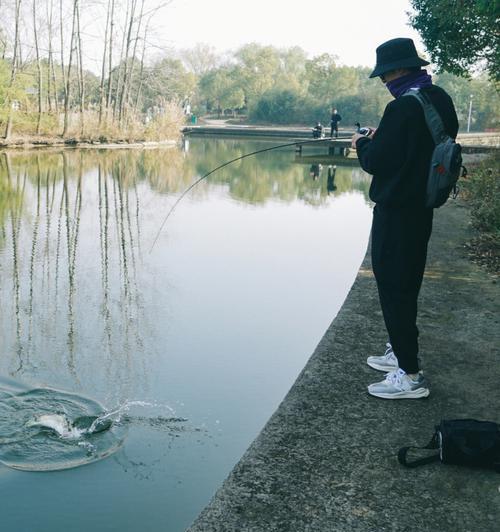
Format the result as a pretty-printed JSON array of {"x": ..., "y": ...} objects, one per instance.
[{"x": 222, "y": 166}]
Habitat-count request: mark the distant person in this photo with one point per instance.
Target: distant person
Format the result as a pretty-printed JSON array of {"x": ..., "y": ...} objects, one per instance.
[
  {"x": 317, "y": 131},
  {"x": 330, "y": 182},
  {"x": 398, "y": 155},
  {"x": 334, "y": 123},
  {"x": 315, "y": 171}
]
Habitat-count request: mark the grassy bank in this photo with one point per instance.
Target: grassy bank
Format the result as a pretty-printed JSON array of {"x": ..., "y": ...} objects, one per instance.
[
  {"x": 482, "y": 192},
  {"x": 87, "y": 127}
]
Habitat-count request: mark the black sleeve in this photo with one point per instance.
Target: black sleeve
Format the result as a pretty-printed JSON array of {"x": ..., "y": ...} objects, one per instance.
[{"x": 386, "y": 152}]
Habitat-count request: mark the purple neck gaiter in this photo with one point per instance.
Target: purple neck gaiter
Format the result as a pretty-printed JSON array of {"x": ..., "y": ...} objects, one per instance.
[{"x": 416, "y": 80}]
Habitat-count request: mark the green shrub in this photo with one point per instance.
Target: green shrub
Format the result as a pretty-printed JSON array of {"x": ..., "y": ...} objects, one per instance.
[
  {"x": 277, "y": 106},
  {"x": 483, "y": 190}
]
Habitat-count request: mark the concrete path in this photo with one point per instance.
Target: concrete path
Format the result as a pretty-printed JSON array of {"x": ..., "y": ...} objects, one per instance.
[{"x": 326, "y": 460}]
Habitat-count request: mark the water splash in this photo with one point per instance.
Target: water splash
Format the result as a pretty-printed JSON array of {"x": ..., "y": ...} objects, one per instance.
[
  {"x": 118, "y": 413},
  {"x": 63, "y": 427},
  {"x": 44, "y": 429}
]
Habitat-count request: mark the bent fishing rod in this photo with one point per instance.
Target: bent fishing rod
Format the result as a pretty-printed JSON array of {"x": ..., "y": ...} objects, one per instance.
[{"x": 199, "y": 180}]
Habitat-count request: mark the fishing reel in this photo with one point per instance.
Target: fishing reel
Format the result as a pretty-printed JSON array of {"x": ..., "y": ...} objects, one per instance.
[{"x": 366, "y": 131}]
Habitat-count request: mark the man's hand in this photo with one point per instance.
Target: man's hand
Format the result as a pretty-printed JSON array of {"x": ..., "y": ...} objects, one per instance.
[{"x": 357, "y": 136}]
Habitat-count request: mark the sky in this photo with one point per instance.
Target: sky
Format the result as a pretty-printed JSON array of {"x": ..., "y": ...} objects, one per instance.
[{"x": 349, "y": 29}]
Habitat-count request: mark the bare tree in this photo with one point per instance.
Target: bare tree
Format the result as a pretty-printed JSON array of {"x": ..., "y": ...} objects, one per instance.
[
  {"x": 67, "y": 94},
  {"x": 8, "y": 128},
  {"x": 141, "y": 71},
  {"x": 120, "y": 66},
  {"x": 126, "y": 73},
  {"x": 132, "y": 66},
  {"x": 81, "y": 84},
  {"x": 39, "y": 69},
  {"x": 150, "y": 15},
  {"x": 110, "y": 71},
  {"x": 3, "y": 43},
  {"x": 103, "y": 69},
  {"x": 63, "y": 74},
  {"x": 51, "y": 73},
  {"x": 200, "y": 59}
]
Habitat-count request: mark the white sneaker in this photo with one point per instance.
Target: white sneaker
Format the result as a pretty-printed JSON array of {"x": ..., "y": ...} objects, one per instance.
[
  {"x": 398, "y": 385},
  {"x": 387, "y": 362}
]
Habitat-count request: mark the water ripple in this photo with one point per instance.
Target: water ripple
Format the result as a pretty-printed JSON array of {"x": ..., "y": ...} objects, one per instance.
[{"x": 44, "y": 429}]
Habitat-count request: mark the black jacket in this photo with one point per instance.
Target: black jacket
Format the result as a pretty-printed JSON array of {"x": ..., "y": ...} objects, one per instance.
[
  {"x": 399, "y": 154},
  {"x": 335, "y": 118}
]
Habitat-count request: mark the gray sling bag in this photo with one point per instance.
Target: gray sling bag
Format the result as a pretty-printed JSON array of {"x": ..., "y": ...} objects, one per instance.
[{"x": 446, "y": 160}]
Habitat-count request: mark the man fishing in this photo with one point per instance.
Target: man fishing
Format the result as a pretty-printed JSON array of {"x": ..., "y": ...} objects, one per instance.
[
  {"x": 398, "y": 155},
  {"x": 334, "y": 123}
]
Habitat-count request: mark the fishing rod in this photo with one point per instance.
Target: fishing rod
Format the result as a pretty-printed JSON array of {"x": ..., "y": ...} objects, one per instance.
[{"x": 222, "y": 166}]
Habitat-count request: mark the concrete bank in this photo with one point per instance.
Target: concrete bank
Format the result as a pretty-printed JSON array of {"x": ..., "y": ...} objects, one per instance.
[{"x": 326, "y": 460}]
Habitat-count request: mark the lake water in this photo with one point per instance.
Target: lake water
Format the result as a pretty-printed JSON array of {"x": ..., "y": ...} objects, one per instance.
[{"x": 197, "y": 339}]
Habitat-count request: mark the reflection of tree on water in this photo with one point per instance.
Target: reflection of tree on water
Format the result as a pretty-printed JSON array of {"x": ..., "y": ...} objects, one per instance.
[
  {"x": 36, "y": 266},
  {"x": 103, "y": 240},
  {"x": 127, "y": 257},
  {"x": 33, "y": 252},
  {"x": 59, "y": 210},
  {"x": 72, "y": 230},
  {"x": 14, "y": 199}
]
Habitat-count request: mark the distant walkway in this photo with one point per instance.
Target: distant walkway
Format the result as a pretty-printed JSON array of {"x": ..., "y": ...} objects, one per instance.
[
  {"x": 326, "y": 460},
  {"x": 219, "y": 128},
  {"x": 215, "y": 121},
  {"x": 213, "y": 127}
]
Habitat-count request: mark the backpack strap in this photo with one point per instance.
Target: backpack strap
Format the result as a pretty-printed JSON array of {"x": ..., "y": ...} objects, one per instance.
[
  {"x": 433, "y": 444},
  {"x": 434, "y": 122}
]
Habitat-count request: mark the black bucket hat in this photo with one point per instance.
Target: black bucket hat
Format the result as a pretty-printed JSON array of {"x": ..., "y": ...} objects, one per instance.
[{"x": 396, "y": 53}]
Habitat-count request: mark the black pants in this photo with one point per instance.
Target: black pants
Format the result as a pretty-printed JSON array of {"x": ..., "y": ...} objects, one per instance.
[
  {"x": 399, "y": 253},
  {"x": 334, "y": 127}
]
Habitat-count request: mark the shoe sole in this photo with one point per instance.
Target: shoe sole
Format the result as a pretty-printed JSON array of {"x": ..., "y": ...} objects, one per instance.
[
  {"x": 378, "y": 367},
  {"x": 421, "y": 393}
]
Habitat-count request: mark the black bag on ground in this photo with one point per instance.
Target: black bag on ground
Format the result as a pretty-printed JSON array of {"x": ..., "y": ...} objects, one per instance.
[
  {"x": 446, "y": 161},
  {"x": 461, "y": 442}
]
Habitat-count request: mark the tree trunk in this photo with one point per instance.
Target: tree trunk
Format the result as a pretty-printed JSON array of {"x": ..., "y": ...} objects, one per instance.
[
  {"x": 103, "y": 69},
  {"x": 141, "y": 72},
  {"x": 63, "y": 73},
  {"x": 39, "y": 68},
  {"x": 80, "y": 70},
  {"x": 51, "y": 81},
  {"x": 110, "y": 74},
  {"x": 132, "y": 66},
  {"x": 67, "y": 94},
  {"x": 120, "y": 68},
  {"x": 126, "y": 73},
  {"x": 8, "y": 128}
]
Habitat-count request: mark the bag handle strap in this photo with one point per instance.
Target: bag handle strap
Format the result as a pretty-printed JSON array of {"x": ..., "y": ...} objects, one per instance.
[
  {"x": 433, "y": 444},
  {"x": 434, "y": 122}
]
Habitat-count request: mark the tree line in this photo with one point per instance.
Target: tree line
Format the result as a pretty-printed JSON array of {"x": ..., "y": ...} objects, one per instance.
[
  {"x": 284, "y": 86},
  {"x": 46, "y": 84},
  {"x": 136, "y": 89}
]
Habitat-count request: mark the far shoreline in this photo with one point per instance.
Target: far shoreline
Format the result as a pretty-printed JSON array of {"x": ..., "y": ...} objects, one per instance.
[
  {"x": 471, "y": 142},
  {"x": 40, "y": 143}
]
